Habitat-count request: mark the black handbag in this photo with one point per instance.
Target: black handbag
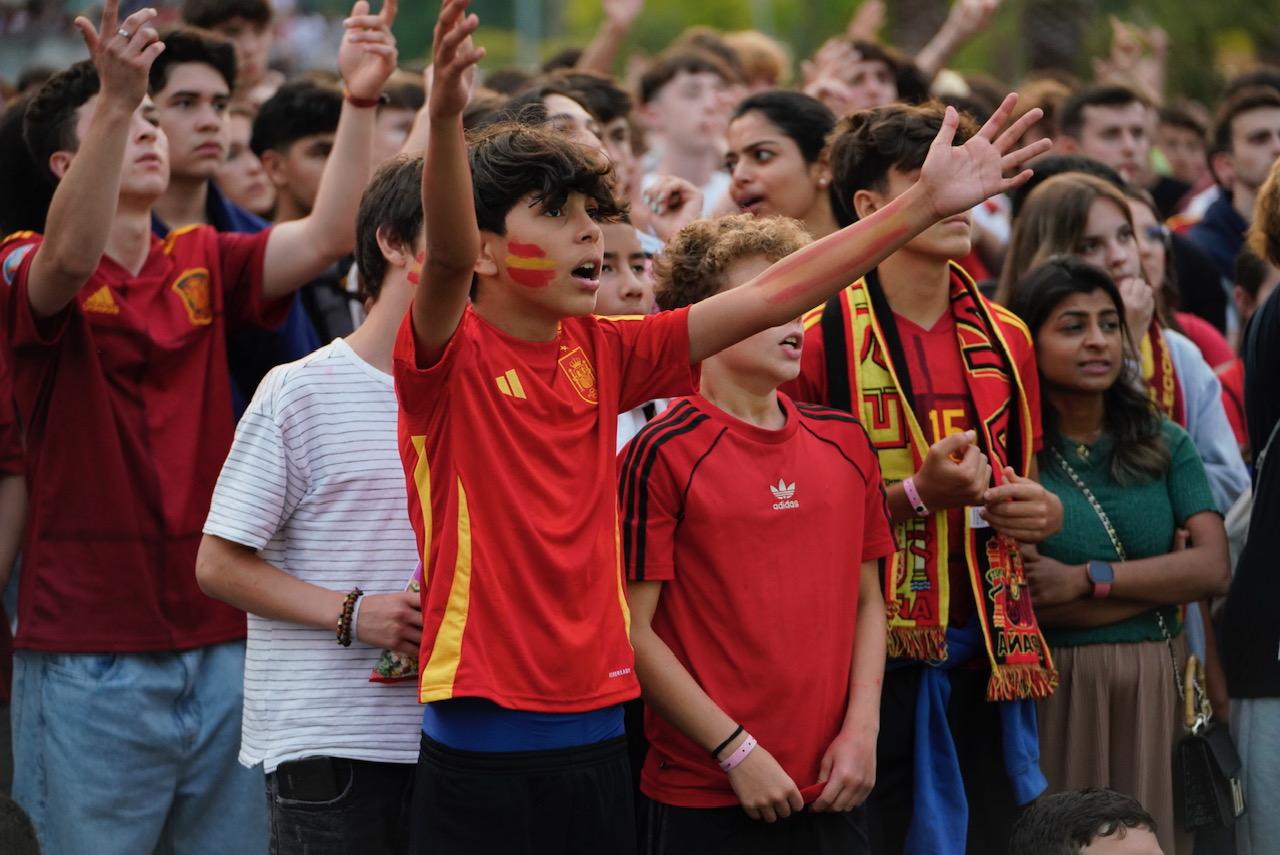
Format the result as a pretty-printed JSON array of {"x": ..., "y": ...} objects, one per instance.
[{"x": 1207, "y": 792}]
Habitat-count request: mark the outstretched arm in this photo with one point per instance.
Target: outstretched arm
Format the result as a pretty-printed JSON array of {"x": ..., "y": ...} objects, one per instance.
[
  {"x": 953, "y": 179},
  {"x": 449, "y": 215},
  {"x": 966, "y": 19},
  {"x": 299, "y": 251},
  {"x": 600, "y": 55},
  {"x": 84, "y": 203}
]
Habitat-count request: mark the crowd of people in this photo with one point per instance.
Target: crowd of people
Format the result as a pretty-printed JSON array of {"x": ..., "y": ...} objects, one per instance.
[{"x": 544, "y": 461}]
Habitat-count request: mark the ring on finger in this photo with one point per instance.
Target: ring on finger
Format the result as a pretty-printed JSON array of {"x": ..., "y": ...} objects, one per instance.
[{"x": 124, "y": 34}]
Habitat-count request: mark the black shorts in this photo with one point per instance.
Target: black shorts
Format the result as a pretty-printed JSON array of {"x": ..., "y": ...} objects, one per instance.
[
  {"x": 729, "y": 831},
  {"x": 567, "y": 801}
]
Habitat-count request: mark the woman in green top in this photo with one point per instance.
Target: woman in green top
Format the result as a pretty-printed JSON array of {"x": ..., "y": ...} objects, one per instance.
[{"x": 1107, "y": 587}]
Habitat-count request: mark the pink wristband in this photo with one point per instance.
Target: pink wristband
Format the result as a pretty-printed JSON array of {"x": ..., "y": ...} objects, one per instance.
[
  {"x": 913, "y": 496},
  {"x": 731, "y": 762}
]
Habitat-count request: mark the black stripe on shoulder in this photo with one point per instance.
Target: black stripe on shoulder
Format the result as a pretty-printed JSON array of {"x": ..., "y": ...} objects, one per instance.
[
  {"x": 866, "y": 478},
  {"x": 818, "y": 412}
]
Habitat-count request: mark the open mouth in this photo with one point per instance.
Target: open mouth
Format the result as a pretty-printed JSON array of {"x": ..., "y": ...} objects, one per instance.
[
  {"x": 587, "y": 272},
  {"x": 792, "y": 344},
  {"x": 750, "y": 204}
]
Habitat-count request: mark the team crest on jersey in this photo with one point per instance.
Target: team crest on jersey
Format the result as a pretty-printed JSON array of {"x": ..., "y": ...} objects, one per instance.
[
  {"x": 577, "y": 368},
  {"x": 101, "y": 302},
  {"x": 193, "y": 287}
]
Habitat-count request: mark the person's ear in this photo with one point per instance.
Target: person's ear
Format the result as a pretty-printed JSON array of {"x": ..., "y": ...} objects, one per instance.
[
  {"x": 487, "y": 259},
  {"x": 395, "y": 253},
  {"x": 274, "y": 164},
  {"x": 867, "y": 202},
  {"x": 1222, "y": 165},
  {"x": 820, "y": 171},
  {"x": 60, "y": 162}
]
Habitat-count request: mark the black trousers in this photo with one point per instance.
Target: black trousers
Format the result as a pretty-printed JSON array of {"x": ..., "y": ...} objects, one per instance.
[
  {"x": 334, "y": 806},
  {"x": 975, "y": 727},
  {"x": 729, "y": 831},
  {"x": 573, "y": 801}
]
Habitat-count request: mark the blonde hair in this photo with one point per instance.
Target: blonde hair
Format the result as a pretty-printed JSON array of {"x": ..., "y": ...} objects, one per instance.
[
  {"x": 1052, "y": 222},
  {"x": 693, "y": 265},
  {"x": 765, "y": 61},
  {"x": 1264, "y": 234}
]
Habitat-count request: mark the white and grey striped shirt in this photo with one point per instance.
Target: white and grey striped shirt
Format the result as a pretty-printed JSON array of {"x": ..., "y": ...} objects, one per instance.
[{"x": 314, "y": 482}]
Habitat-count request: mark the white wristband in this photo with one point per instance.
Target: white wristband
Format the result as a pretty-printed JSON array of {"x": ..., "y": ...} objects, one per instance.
[{"x": 355, "y": 617}]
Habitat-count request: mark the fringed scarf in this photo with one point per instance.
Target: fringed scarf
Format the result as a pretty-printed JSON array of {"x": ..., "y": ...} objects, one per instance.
[
  {"x": 1159, "y": 375},
  {"x": 917, "y": 594}
]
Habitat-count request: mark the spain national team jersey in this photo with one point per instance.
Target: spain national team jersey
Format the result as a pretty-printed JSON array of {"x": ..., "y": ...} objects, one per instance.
[
  {"x": 758, "y": 537},
  {"x": 508, "y": 448},
  {"x": 126, "y": 404}
]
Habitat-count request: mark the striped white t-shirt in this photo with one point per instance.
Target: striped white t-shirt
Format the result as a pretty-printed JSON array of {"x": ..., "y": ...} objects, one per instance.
[{"x": 314, "y": 482}]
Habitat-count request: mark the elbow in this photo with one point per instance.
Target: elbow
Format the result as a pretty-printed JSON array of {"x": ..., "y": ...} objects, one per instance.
[{"x": 208, "y": 566}]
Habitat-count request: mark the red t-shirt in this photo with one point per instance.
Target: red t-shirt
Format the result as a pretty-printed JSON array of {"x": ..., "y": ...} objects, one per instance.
[
  {"x": 508, "y": 449},
  {"x": 126, "y": 405},
  {"x": 1213, "y": 345},
  {"x": 758, "y": 537}
]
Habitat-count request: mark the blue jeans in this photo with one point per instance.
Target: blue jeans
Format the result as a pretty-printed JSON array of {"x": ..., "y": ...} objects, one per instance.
[
  {"x": 1256, "y": 722},
  {"x": 135, "y": 753}
]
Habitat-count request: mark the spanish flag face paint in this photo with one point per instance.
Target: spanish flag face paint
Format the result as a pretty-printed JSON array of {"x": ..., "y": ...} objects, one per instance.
[
  {"x": 528, "y": 265},
  {"x": 415, "y": 269}
]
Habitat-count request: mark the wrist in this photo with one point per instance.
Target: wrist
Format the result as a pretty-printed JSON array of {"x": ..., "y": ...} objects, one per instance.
[
  {"x": 919, "y": 496},
  {"x": 361, "y": 100}
]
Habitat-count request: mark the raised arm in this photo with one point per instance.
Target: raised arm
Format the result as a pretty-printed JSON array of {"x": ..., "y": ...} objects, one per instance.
[
  {"x": 952, "y": 179},
  {"x": 448, "y": 210},
  {"x": 84, "y": 203},
  {"x": 299, "y": 251},
  {"x": 966, "y": 19},
  {"x": 600, "y": 55}
]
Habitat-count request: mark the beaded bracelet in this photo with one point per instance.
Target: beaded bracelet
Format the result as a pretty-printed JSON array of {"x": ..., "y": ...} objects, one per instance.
[{"x": 344, "y": 617}]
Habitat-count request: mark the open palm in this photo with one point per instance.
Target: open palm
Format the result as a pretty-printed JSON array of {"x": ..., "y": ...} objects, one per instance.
[
  {"x": 367, "y": 56},
  {"x": 955, "y": 178}
]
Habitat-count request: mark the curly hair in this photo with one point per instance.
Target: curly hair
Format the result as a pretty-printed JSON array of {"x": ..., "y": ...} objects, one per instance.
[
  {"x": 511, "y": 160},
  {"x": 694, "y": 264},
  {"x": 1264, "y": 233}
]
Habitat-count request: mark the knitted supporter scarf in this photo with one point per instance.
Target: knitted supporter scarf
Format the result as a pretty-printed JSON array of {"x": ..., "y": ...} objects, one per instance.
[
  {"x": 1159, "y": 375},
  {"x": 917, "y": 594}
]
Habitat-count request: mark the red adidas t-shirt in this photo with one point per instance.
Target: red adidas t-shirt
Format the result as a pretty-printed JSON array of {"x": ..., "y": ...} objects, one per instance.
[
  {"x": 126, "y": 404},
  {"x": 758, "y": 537},
  {"x": 508, "y": 449}
]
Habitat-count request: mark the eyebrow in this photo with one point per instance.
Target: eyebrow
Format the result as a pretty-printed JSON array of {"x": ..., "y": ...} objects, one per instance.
[
  {"x": 758, "y": 143},
  {"x": 192, "y": 93}
]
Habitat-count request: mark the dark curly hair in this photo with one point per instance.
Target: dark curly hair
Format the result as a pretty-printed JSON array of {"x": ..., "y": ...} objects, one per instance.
[
  {"x": 512, "y": 160},
  {"x": 1065, "y": 823},
  {"x": 693, "y": 264},
  {"x": 868, "y": 143},
  {"x": 1131, "y": 418},
  {"x": 190, "y": 45}
]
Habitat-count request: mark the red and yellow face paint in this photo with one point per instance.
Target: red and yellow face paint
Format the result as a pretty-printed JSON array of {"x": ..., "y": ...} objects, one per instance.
[
  {"x": 528, "y": 265},
  {"x": 415, "y": 268}
]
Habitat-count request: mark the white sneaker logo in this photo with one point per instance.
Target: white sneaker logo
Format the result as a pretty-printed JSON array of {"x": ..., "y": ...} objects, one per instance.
[{"x": 783, "y": 493}]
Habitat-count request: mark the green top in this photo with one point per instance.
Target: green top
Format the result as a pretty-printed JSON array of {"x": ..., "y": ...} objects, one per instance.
[{"x": 1144, "y": 516}]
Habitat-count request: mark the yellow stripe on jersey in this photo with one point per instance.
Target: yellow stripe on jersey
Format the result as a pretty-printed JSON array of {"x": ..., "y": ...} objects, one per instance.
[
  {"x": 447, "y": 650},
  {"x": 174, "y": 235},
  {"x": 422, "y": 482},
  {"x": 622, "y": 588}
]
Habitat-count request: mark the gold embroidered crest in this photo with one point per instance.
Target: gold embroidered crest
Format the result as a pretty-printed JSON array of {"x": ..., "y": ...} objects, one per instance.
[
  {"x": 581, "y": 374},
  {"x": 193, "y": 287}
]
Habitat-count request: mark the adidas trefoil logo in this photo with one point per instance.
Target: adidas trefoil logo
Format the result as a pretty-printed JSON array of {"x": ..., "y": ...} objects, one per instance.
[{"x": 783, "y": 493}]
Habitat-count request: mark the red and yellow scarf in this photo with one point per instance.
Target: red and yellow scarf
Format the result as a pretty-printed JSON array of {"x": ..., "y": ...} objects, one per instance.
[
  {"x": 917, "y": 587},
  {"x": 1159, "y": 375}
]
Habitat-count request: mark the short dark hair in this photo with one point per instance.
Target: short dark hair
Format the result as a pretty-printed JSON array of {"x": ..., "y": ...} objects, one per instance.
[
  {"x": 24, "y": 192},
  {"x": 213, "y": 13},
  {"x": 1180, "y": 117},
  {"x": 1243, "y": 101},
  {"x": 602, "y": 97},
  {"x": 190, "y": 45},
  {"x": 49, "y": 124},
  {"x": 1071, "y": 116},
  {"x": 508, "y": 81},
  {"x": 403, "y": 91},
  {"x": 675, "y": 62},
  {"x": 804, "y": 119},
  {"x": 868, "y": 143},
  {"x": 1264, "y": 75},
  {"x": 563, "y": 59},
  {"x": 527, "y": 107},
  {"x": 300, "y": 108},
  {"x": 1251, "y": 271},
  {"x": 33, "y": 77},
  {"x": 1056, "y": 164},
  {"x": 393, "y": 202},
  {"x": 511, "y": 160},
  {"x": 1064, "y": 823}
]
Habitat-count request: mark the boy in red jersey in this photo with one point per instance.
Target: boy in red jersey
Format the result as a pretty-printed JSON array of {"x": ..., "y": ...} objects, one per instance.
[
  {"x": 127, "y": 698},
  {"x": 945, "y": 383},
  {"x": 745, "y": 520},
  {"x": 508, "y": 415}
]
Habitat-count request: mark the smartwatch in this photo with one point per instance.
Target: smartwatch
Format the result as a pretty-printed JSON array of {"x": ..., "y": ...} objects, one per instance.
[{"x": 1103, "y": 576}]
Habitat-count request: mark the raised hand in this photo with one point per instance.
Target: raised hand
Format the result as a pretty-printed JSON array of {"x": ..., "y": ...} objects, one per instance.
[
  {"x": 622, "y": 13},
  {"x": 672, "y": 203},
  {"x": 453, "y": 58},
  {"x": 367, "y": 56},
  {"x": 122, "y": 53},
  {"x": 956, "y": 178}
]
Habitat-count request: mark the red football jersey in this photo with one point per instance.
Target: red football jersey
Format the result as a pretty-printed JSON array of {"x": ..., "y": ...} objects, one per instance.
[
  {"x": 126, "y": 403},
  {"x": 508, "y": 448},
  {"x": 758, "y": 537}
]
